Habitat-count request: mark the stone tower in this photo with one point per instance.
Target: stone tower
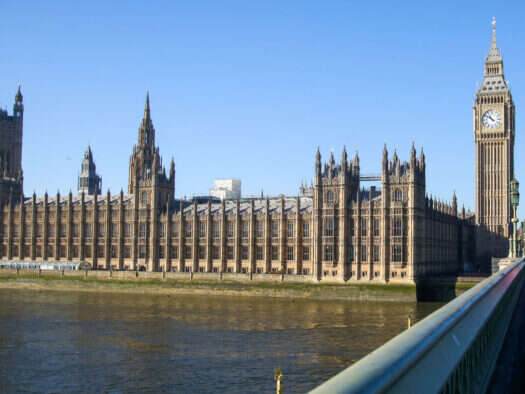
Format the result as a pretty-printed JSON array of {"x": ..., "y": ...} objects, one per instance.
[
  {"x": 403, "y": 189},
  {"x": 147, "y": 177},
  {"x": 152, "y": 191},
  {"x": 494, "y": 138},
  {"x": 336, "y": 186},
  {"x": 11, "y": 130},
  {"x": 89, "y": 182}
]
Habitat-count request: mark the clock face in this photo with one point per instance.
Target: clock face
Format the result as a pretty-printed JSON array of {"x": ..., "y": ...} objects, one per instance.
[{"x": 491, "y": 119}]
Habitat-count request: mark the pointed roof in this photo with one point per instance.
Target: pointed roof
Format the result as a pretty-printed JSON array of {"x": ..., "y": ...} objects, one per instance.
[
  {"x": 19, "y": 98},
  {"x": 494, "y": 54},
  {"x": 147, "y": 114},
  {"x": 146, "y": 130},
  {"x": 493, "y": 79},
  {"x": 88, "y": 155},
  {"x": 332, "y": 160},
  {"x": 318, "y": 155}
]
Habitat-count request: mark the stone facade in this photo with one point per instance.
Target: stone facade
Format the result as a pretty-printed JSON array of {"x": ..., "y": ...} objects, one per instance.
[
  {"x": 339, "y": 232},
  {"x": 336, "y": 230}
]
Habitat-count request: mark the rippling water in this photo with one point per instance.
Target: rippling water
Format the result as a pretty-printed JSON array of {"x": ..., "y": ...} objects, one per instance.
[{"x": 87, "y": 342}]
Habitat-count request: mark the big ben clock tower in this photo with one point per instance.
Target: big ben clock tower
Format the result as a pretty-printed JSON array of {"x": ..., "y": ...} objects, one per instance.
[{"x": 494, "y": 138}]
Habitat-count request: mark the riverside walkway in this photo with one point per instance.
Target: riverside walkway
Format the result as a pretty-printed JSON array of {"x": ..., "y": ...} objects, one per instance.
[{"x": 473, "y": 344}]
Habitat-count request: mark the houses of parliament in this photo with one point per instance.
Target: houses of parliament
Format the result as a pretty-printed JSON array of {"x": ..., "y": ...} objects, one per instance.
[{"x": 338, "y": 230}]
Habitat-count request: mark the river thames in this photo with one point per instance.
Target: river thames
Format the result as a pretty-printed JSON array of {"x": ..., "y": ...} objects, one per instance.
[{"x": 88, "y": 342}]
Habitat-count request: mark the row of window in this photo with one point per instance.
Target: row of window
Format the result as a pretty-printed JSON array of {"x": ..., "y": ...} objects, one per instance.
[
  {"x": 244, "y": 252},
  {"x": 397, "y": 195},
  {"x": 100, "y": 249},
  {"x": 329, "y": 229},
  {"x": 244, "y": 270},
  {"x": 62, "y": 251},
  {"x": 143, "y": 228},
  {"x": 329, "y": 252},
  {"x": 396, "y": 228},
  {"x": 62, "y": 230},
  {"x": 230, "y": 229}
]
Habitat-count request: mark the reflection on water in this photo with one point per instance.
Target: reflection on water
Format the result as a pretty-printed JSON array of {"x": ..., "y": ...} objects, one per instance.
[{"x": 87, "y": 342}]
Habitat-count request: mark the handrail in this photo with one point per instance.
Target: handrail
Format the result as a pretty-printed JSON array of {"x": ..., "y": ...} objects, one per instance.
[{"x": 441, "y": 351}]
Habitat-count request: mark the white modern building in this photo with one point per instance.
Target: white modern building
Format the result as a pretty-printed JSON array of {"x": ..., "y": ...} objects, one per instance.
[{"x": 226, "y": 189}]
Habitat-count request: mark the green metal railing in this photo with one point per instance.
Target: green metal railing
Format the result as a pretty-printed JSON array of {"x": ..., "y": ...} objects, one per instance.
[{"x": 453, "y": 350}]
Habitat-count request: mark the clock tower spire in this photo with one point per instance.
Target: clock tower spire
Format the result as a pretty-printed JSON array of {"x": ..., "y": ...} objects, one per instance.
[{"x": 494, "y": 132}]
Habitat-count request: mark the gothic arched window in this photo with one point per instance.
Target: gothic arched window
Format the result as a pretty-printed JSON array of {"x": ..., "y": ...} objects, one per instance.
[
  {"x": 329, "y": 196},
  {"x": 329, "y": 228},
  {"x": 398, "y": 195},
  {"x": 397, "y": 227}
]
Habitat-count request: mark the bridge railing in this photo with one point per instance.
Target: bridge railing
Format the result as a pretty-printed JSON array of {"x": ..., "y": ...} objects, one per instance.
[{"x": 452, "y": 350}]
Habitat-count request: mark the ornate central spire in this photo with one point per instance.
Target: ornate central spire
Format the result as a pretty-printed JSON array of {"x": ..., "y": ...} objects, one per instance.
[
  {"x": 147, "y": 114},
  {"x": 146, "y": 130},
  {"x": 147, "y": 176}
]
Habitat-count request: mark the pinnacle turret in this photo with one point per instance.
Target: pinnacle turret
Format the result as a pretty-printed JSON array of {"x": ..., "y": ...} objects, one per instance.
[
  {"x": 318, "y": 161},
  {"x": 146, "y": 129},
  {"x": 18, "y": 107},
  {"x": 147, "y": 114},
  {"x": 172, "y": 168},
  {"x": 19, "y": 98},
  {"x": 332, "y": 160},
  {"x": 394, "y": 157},
  {"x": 88, "y": 180},
  {"x": 88, "y": 155}
]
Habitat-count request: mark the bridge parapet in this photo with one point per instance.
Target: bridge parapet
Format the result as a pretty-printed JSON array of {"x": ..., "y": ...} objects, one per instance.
[{"x": 452, "y": 350}]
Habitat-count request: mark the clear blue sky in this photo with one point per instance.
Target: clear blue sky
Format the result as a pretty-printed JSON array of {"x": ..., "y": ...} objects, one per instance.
[{"x": 249, "y": 89}]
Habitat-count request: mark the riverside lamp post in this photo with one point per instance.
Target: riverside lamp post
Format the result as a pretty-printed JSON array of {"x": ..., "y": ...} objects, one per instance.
[{"x": 514, "y": 201}]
